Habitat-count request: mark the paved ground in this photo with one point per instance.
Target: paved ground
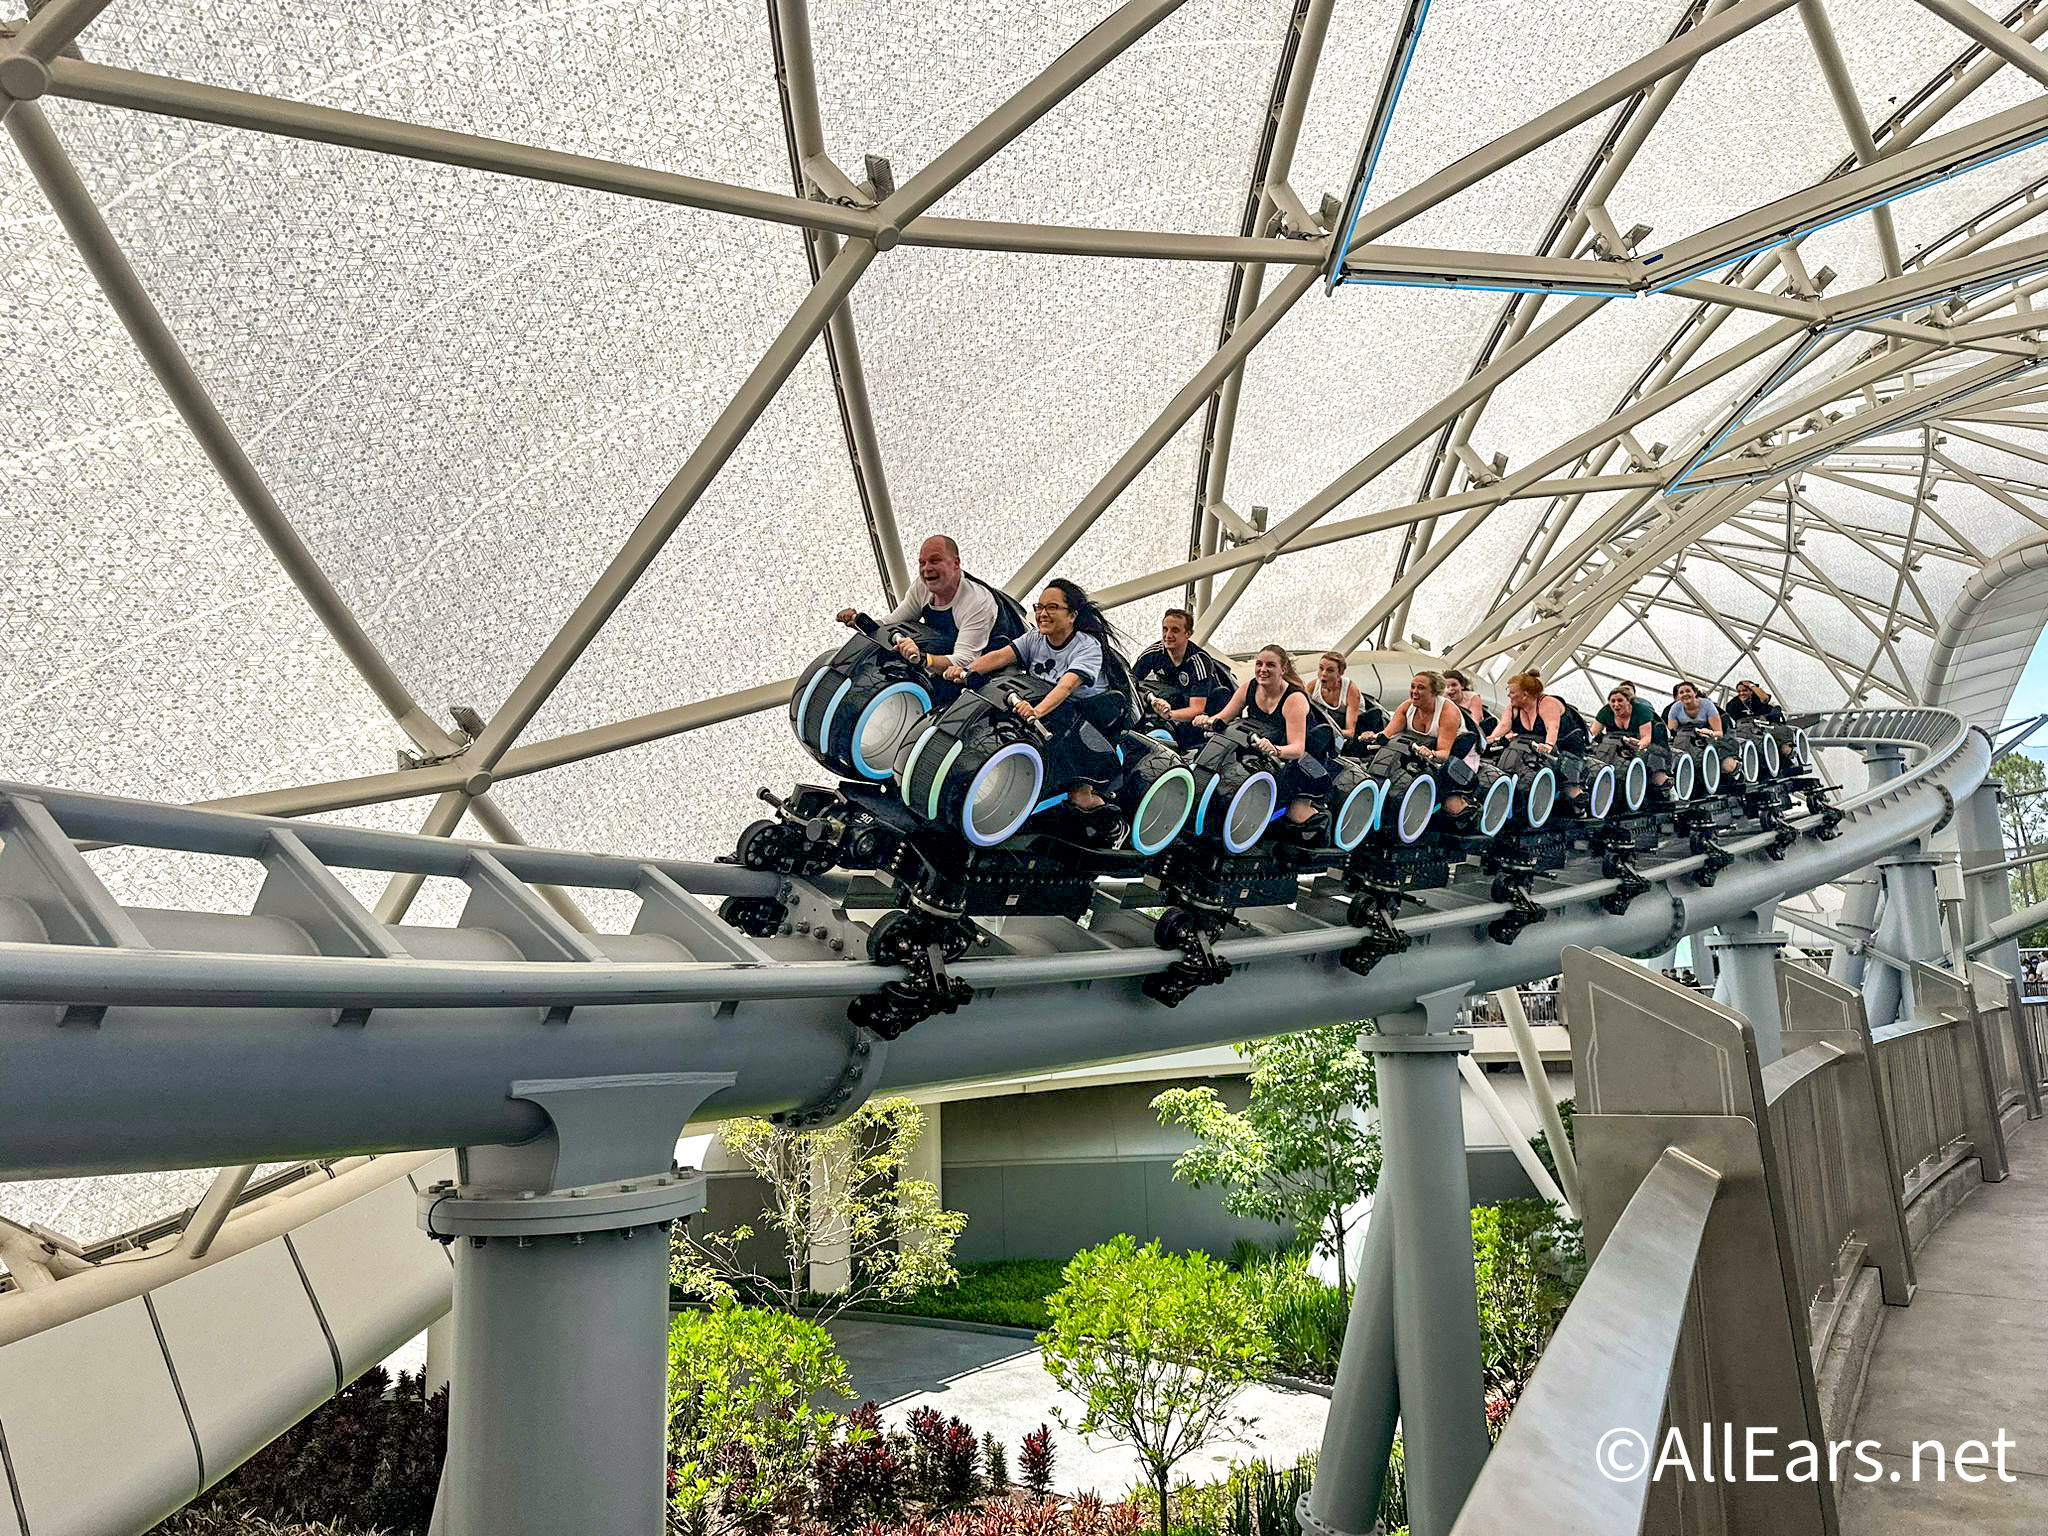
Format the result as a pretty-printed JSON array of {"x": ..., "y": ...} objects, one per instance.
[
  {"x": 1969, "y": 1357},
  {"x": 999, "y": 1386}
]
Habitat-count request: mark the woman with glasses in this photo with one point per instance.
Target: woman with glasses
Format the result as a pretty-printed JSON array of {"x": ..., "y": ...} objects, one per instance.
[{"x": 1073, "y": 651}]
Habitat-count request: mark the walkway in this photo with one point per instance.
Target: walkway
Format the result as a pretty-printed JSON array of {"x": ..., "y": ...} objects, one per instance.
[
  {"x": 998, "y": 1385},
  {"x": 1969, "y": 1357}
]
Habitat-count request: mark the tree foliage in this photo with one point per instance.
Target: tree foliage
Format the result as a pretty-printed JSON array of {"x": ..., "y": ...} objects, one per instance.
[
  {"x": 1528, "y": 1259},
  {"x": 839, "y": 1189},
  {"x": 1298, "y": 1153},
  {"x": 1157, "y": 1347},
  {"x": 746, "y": 1416},
  {"x": 2025, "y": 817}
]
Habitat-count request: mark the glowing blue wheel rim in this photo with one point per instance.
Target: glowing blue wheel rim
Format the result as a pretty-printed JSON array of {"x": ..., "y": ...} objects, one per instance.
[
  {"x": 1541, "y": 799},
  {"x": 1250, "y": 811},
  {"x": 1600, "y": 793},
  {"x": 1358, "y": 815},
  {"x": 1418, "y": 804},
  {"x": 1497, "y": 807},
  {"x": 1684, "y": 775},
  {"x": 907, "y": 704},
  {"x": 1635, "y": 784},
  {"x": 1002, "y": 793},
  {"x": 1150, "y": 828}
]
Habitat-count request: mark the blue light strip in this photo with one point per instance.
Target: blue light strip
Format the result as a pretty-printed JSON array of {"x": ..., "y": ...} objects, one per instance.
[
  {"x": 1800, "y": 232},
  {"x": 1799, "y": 462},
  {"x": 1369, "y": 153},
  {"x": 1395, "y": 76},
  {"x": 1834, "y": 327}
]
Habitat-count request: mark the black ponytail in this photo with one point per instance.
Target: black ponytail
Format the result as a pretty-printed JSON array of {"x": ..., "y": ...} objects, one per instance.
[{"x": 1089, "y": 618}]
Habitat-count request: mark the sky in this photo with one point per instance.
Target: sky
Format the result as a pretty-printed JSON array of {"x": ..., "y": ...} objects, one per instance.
[{"x": 2031, "y": 698}]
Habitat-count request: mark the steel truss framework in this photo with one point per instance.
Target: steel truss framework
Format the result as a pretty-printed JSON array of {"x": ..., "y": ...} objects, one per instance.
[{"x": 1846, "y": 454}]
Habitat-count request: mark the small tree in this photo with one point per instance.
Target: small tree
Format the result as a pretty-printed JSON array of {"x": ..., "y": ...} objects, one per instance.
[
  {"x": 1528, "y": 1260},
  {"x": 838, "y": 1188},
  {"x": 747, "y": 1419},
  {"x": 1298, "y": 1153},
  {"x": 1157, "y": 1347}
]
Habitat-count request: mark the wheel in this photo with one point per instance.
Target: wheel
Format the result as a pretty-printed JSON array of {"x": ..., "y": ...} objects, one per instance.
[
  {"x": 1173, "y": 928},
  {"x": 760, "y": 846},
  {"x": 758, "y": 917}
]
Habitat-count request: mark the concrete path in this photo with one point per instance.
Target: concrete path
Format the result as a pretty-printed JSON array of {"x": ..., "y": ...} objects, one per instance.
[
  {"x": 998, "y": 1385},
  {"x": 1968, "y": 1358}
]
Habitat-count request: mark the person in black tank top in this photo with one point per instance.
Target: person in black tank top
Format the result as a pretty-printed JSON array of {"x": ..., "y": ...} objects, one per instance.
[{"x": 1274, "y": 702}]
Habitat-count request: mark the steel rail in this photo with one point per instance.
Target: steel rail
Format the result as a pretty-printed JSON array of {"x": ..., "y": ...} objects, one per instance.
[{"x": 209, "y": 1058}]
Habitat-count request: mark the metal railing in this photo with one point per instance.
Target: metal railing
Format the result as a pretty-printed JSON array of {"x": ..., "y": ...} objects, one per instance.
[{"x": 1808, "y": 1166}]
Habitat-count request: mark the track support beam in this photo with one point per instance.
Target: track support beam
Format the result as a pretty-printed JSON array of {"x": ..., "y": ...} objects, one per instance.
[{"x": 558, "y": 1406}]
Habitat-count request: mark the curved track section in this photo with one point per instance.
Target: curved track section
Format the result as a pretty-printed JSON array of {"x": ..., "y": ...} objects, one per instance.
[{"x": 136, "y": 1039}]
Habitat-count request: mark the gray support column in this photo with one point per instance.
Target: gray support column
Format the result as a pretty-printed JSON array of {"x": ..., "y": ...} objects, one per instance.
[
  {"x": 1860, "y": 891},
  {"x": 1358, "y": 1435},
  {"x": 1436, "y": 1304},
  {"x": 1745, "y": 952},
  {"x": 1987, "y": 893},
  {"x": 1910, "y": 929},
  {"x": 558, "y": 1409}
]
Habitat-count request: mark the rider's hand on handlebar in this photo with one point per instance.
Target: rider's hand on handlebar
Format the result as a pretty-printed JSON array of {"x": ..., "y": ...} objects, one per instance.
[
  {"x": 1203, "y": 722},
  {"x": 956, "y": 673},
  {"x": 846, "y": 616},
  {"x": 908, "y": 649},
  {"x": 1161, "y": 707},
  {"x": 1025, "y": 708}
]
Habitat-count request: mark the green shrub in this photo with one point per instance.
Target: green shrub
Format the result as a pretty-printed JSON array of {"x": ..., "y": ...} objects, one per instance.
[
  {"x": 1010, "y": 1292},
  {"x": 1540, "y": 1144},
  {"x": 1528, "y": 1260},
  {"x": 1304, "y": 1318},
  {"x": 745, "y": 1421}
]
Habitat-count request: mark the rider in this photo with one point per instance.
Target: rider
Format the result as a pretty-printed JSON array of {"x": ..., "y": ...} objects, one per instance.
[
  {"x": 1752, "y": 703},
  {"x": 968, "y": 615},
  {"x": 1640, "y": 726},
  {"x": 1692, "y": 710},
  {"x": 1073, "y": 649},
  {"x": 1459, "y": 690},
  {"x": 1191, "y": 681},
  {"x": 1544, "y": 719},
  {"x": 1435, "y": 725},
  {"x": 1275, "y": 704},
  {"x": 1338, "y": 699}
]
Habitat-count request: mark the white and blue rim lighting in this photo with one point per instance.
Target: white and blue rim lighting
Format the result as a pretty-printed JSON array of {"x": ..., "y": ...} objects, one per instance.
[
  {"x": 912, "y": 691},
  {"x": 1497, "y": 806},
  {"x": 1600, "y": 793},
  {"x": 1001, "y": 759},
  {"x": 1685, "y": 777},
  {"x": 1418, "y": 804},
  {"x": 1539, "y": 797},
  {"x": 1635, "y": 783},
  {"x": 1176, "y": 780},
  {"x": 1357, "y": 814}
]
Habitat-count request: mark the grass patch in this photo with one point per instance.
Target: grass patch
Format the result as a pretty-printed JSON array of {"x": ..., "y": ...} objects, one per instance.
[{"x": 1009, "y": 1292}]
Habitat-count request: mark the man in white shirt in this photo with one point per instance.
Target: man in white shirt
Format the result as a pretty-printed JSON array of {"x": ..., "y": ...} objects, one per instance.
[{"x": 962, "y": 609}]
